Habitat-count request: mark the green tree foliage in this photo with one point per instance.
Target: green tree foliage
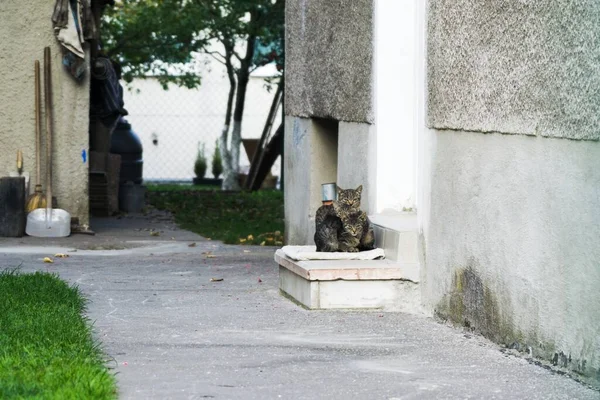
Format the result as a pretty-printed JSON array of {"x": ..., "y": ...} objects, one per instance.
[
  {"x": 155, "y": 37},
  {"x": 160, "y": 37}
]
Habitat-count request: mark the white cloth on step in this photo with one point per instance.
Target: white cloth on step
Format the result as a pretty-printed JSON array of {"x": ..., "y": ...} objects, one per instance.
[{"x": 306, "y": 253}]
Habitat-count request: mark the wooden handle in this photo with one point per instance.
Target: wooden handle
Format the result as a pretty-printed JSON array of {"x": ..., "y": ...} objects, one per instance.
[
  {"x": 19, "y": 161},
  {"x": 48, "y": 103},
  {"x": 38, "y": 121}
]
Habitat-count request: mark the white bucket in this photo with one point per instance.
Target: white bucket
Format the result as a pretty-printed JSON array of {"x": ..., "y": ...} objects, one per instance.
[{"x": 58, "y": 225}]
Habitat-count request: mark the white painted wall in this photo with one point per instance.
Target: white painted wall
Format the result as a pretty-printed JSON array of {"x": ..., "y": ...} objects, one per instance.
[
  {"x": 395, "y": 104},
  {"x": 180, "y": 118}
]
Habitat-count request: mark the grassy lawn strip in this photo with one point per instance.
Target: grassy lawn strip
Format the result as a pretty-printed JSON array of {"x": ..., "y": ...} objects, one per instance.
[
  {"x": 174, "y": 187},
  {"x": 46, "y": 345},
  {"x": 234, "y": 218}
]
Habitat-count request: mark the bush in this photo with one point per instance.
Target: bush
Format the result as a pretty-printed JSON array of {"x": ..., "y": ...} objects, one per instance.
[
  {"x": 217, "y": 163},
  {"x": 200, "y": 164}
]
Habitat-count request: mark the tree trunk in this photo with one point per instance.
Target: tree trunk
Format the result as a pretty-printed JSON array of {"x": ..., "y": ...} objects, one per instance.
[
  {"x": 230, "y": 172},
  {"x": 230, "y": 180},
  {"x": 230, "y": 166}
]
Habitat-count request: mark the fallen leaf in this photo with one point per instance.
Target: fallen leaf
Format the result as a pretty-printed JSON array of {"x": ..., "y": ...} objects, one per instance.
[
  {"x": 211, "y": 256},
  {"x": 155, "y": 233},
  {"x": 263, "y": 243},
  {"x": 242, "y": 240},
  {"x": 216, "y": 279},
  {"x": 206, "y": 252},
  {"x": 125, "y": 363},
  {"x": 246, "y": 251},
  {"x": 48, "y": 260},
  {"x": 192, "y": 244},
  {"x": 250, "y": 237},
  {"x": 61, "y": 255}
]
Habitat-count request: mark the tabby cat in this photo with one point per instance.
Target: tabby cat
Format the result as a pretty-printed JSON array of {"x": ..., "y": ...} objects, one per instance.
[{"x": 343, "y": 226}]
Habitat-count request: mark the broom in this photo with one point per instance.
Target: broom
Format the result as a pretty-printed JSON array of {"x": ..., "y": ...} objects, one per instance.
[{"x": 37, "y": 199}]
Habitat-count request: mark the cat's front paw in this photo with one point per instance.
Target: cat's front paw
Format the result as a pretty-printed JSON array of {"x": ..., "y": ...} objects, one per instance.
[{"x": 352, "y": 250}]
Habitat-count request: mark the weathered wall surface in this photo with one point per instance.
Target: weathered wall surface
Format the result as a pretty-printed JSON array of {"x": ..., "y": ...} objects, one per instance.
[
  {"x": 311, "y": 159},
  {"x": 511, "y": 235},
  {"x": 26, "y": 28},
  {"x": 356, "y": 161},
  {"x": 521, "y": 67},
  {"x": 329, "y": 56},
  {"x": 512, "y": 248}
]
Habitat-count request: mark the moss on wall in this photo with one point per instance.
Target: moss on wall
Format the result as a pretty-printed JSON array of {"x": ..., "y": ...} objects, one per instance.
[{"x": 471, "y": 303}]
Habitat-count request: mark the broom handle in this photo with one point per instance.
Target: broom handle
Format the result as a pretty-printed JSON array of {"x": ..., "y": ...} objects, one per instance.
[
  {"x": 48, "y": 98},
  {"x": 38, "y": 122}
]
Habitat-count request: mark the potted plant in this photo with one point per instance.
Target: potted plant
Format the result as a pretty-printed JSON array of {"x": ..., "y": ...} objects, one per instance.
[
  {"x": 200, "y": 165},
  {"x": 217, "y": 163}
]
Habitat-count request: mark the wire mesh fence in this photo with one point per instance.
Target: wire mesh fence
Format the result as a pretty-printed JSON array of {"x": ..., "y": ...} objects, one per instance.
[{"x": 172, "y": 124}]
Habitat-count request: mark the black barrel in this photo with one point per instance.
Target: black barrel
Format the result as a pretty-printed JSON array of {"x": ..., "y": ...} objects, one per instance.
[{"x": 127, "y": 144}]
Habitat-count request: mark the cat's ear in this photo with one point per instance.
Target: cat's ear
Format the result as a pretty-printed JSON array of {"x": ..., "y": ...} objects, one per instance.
[
  {"x": 339, "y": 189},
  {"x": 359, "y": 189}
]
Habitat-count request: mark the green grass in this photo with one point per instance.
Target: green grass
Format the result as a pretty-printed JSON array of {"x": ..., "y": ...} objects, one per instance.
[
  {"x": 234, "y": 218},
  {"x": 46, "y": 345},
  {"x": 174, "y": 187}
]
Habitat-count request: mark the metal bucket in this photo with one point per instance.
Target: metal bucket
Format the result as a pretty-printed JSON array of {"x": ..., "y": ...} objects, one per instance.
[{"x": 328, "y": 192}]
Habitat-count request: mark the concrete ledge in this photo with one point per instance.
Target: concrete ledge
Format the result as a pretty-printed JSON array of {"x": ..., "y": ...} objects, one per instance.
[
  {"x": 350, "y": 270},
  {"x": 337, "y": 284}
]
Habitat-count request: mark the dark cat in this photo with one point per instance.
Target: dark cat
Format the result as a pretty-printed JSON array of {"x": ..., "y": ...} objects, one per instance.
[
  {"x": 327, "y": 227},
  {"x": 343, "y": 226},
  {"x": 355, "y": 235},
  {"x": 349, "y": 199}
]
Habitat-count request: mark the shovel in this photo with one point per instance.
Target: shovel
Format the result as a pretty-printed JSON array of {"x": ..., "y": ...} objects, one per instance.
[
  {"x": 48, "y": 222},
  {"x": 37, "y": 199}
]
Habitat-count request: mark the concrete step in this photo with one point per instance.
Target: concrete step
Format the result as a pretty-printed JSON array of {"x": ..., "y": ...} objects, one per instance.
[
  {"x": 397, "y": 235},
  {"x": 355, "y": 284}
]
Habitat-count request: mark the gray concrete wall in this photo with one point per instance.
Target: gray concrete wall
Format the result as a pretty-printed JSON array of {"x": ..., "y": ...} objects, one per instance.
[
  {"x": 26, "y": 28},
  {"x": 329, "y": 56},
  {"x": 511, "y": 235},
  {"x": 356, "y": 160},
  {"x": 310, "y": 160},
  {"x": 520, "y": 67},
  {"x": 513, "y": 245}
]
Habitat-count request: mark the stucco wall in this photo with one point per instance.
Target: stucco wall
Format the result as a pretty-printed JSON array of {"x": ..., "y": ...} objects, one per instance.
[
  {"x": 521, "y": 67},
  {"x": 329, "y": 59},
  {"x": 356, "y": 150},
  {"x": 512, "y": 244},
  {"x": 26, "y": 28},
  {"x": 511, "y": 222},
  {"x": 311, "y": 149}
]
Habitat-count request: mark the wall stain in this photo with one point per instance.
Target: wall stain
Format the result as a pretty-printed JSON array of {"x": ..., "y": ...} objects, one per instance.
[{"x": 471, "y": 303}]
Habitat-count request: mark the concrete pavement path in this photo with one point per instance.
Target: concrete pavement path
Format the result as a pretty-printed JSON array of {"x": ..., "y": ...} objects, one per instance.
[{"x": 171, "y": 333}]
